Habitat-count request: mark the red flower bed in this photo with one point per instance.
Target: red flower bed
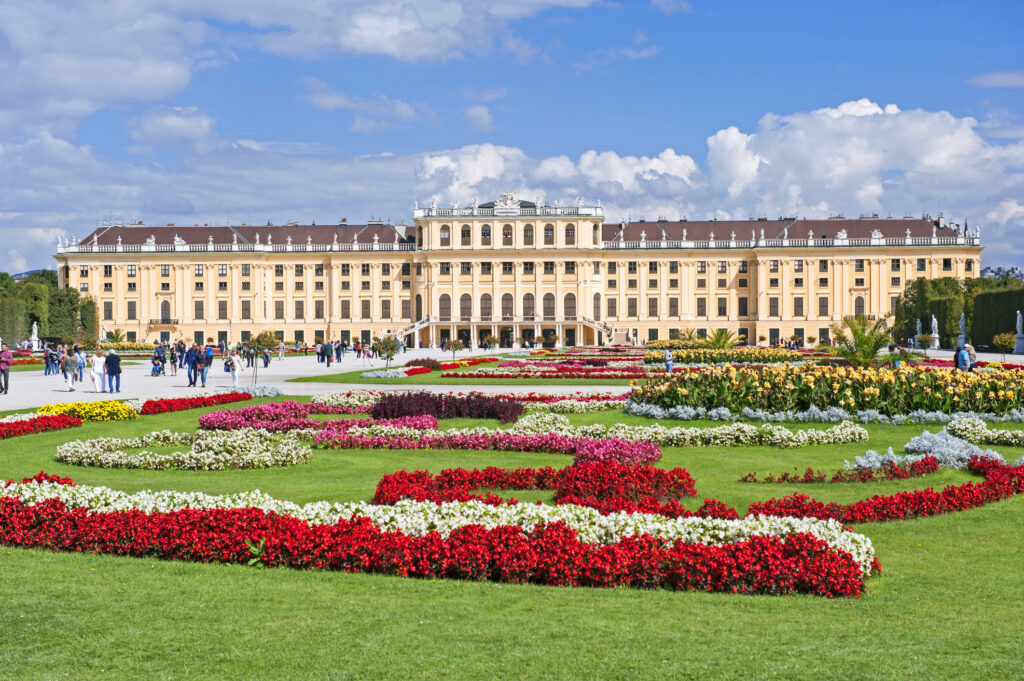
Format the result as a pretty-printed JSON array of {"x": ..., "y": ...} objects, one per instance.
[
  {"x": 1000, "y": 482},
  {"x": 39, "y": 424},
  {"x": 184, "y": 403},
  {"x": 929, "y": 464},
  {"x": 606, "y": 486},
  {"x": 23, "y": 362},
  {"x": 549, "y": 554},
  {"x": 412, "y": 371}
]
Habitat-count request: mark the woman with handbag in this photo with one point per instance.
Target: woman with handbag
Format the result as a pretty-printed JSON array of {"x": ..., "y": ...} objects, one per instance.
[{"x": 235, "y": 365}]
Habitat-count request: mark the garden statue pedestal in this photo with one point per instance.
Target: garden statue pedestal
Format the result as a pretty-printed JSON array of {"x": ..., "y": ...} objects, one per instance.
[{"x": 1019, "y": 350}]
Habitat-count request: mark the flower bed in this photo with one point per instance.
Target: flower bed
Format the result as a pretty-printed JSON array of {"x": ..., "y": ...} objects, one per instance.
[
  {"x": 977, "y": 432},
  {"x": 104, "y": 410},
  {"x": 460, "y": 541},
  {"x": 24, "y": 362},
  {"x": 37, "y": 424},
  {"x": 891, "y": 471},
  {"x": 476, "y": 406},
  {"x": 785, "y": 388},
  {"x": 184, "y": 403},
  {"x": 1000, "y": 482},
  {"x": 738, "y": 355},
  {"x": 428, "y": 362},
  {"x": 356, "y": 401},
  {"x": 292, "y": 416},
  {"x": 208, "y": 451}
]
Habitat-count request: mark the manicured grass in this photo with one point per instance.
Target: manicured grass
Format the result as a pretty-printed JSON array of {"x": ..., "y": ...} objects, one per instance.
[
  {"x": 434, "y": 378},
  {"x": 946, "y": 606},
  {"x": 18, "y": 368}
]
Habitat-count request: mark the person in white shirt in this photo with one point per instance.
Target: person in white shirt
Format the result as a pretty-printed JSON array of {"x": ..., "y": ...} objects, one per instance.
[
  {"x": 98, "y": 379},
  {"x": 237, "y": 367}
]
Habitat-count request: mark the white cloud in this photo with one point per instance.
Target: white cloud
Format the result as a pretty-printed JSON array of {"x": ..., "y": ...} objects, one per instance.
[
  {"x": 608, "y": 169},
  {"x": 672, "y": 6},
  {"x": 371, "y": 114},
  {"x": 491, "y": 95},
  {"x": 640, "y": 49},
  {"x": 730, "y": 162},
  {"x": 1006, "y": 211},
  {"x": 556, "y": 169},
  {"x": 479, "y": 116},
  {"x": 1000, "y": 79},
  {"x": 172, "y": 124}
]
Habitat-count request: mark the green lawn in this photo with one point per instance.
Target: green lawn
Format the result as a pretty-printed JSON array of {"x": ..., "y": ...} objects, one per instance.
[
  {"x": 41, "y": 368},
  {"x": 434, "y": 378},
  {"x": 947, "y": 605}
]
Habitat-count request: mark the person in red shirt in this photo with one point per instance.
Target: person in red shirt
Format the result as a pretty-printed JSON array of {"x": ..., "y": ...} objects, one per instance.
[{"x": 6, "y": 358}]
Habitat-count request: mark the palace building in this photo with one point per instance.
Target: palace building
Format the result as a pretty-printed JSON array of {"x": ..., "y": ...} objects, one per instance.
[{"x": 514, "y": 269}]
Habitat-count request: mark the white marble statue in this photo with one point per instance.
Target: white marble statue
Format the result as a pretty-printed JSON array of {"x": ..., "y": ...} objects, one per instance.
[
  {"x": 963, "y": 325},
  {"x": 935, "y": 327},
  {"x": 1020, "y": 324}
]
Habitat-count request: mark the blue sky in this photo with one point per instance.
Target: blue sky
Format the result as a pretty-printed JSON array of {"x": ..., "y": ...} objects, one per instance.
[{"x": 269, "y": 112}]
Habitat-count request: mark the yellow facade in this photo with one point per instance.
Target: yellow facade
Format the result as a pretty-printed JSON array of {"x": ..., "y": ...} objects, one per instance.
[{"x": 510, "y": 269}]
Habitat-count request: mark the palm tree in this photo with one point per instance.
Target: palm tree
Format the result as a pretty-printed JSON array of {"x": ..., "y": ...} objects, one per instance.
[
  {"x": 723, "y": 339},
  {"x": 859, "y": 340},
  {"x": 115, "y": 336}
]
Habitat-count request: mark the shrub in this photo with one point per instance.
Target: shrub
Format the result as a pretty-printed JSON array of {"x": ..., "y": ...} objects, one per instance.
[
  {"x": 424, "y": 362},
  {"x": 397, "y": 405}
]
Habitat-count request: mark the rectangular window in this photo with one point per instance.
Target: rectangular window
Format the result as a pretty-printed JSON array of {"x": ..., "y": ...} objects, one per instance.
[
  {"x": 549, "y": 267},
  {"x": 131, "y": 337},
  {"x": 894, "y": 265},
  {"x": 278, "y": 270},
  {"x": 318, "y": 270},
  {"x": 419, "y": 269},
  {"x": 652, "y": 267},
  {"x": 613, "y": 308},
  {"x": 894, "y": 281},
  {"x": 773, "y": 282},
  {"x": 723, "y": 307},
  {"x": 823, "y": 281},
  {"x": 445, "y": 268},
  {"x": 406, "y": 269},
  {"x": 222, "y": 309},
  {"x": 823, "y": 335},
  {"x": 822, "y": 306},
  {"x": 385, "y": 309},
  {"x": 198, "y": 310},
  {"x": 385, "y": 285},
  {"x": 612, "y": 283},
  {"x": 485, "y": 269},
  {"x": 346, "y": 309},
  {"x": 300, "y": 285},
  {"x": 673, "y": 307},
  {"x": 199, "y": 285},
  {"x": 773, "y": 307},
  {"x": 300, "y": 309},
  {"x": 507, "y": 268},
  {"x": 631, "y": 283},
  {"x": 798, "y": 306},
  {"x": 673, "y": 283},
  {"x": 466, "y": 268},
  {"x": 673, "y": 267},
  {"x": 969, "y": 265},
  {"x": 947, "y": 264},
  {"x": 652, "y": 308},
  {"x": 278, "y": 309},
  {"x": 406, "y": 285},
  {"x": 858, "y": 265},
  {"x": 319, "y": 285},
  {"x": 131, "y": 270},
  {"x": 527, "y": 268},
  {"x": 246, "y": 309},
  {"x": 222, "y": 286},
  {"x": 723, "y": 267},
  {"x": 199, "y": 270},
  {"x": 246, "y": 270},
  {"x": 859, "y": 281},
  {"x": 741, "y": 306},
  {"x": 742, "y": 283},
  {"x": 631, "y": 268},
  {"x": 222, "y": 270},
  {"x": 132, "y": 312},
  {"x": 743, "y": 267},
  {"x": 798, "y": 265},
  {"x": 278, "y": 285},
  {"x": 165, "y": 271},
  {"x": 773, "y": 266},
  {"x": 702, "y": 267},
  {"x": 612, "y": 268},
  {"x": 364, "y": 269},
  {"x": 798, "y": 282},
  {"x": 570, "y": 268},
  {"x": 894, "y": 302},
  {"x": 107, "y": 286},
  {"x": 299, "y": 269},
  {"x": 823, "y": 266},
  {"x": 164, "y": 286},
  {"x": 631, "y": 307},
  {"x": 108, "y": 270},
  {"x": 364, "y": 286},
  {"x": 597, "y": 268},
  {"x": 318, "y": 309},
  {"x": 346, "y": 270},
  {"x": 723, "y": 283},
  {"x": 108, "y": 309},
  {"x": 84, "y": 271},
  {"x": 922, "y": 264},
  {"x": 702, "y": 283},
  {"x": 406, "y": 308},
  {"x": 702, "y": 307},
  {"x": 652, "y": 334},
  {"x": 365, "y": 311},
  {"x": 652, "y": 283}
]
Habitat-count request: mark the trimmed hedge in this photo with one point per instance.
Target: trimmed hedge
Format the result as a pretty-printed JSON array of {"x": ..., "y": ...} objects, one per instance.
[
  {"x": 996, "y": 312},
  {"x": 397, "y": 405}
]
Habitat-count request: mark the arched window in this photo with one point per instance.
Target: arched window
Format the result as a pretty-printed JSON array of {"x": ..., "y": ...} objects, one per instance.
[
  {"x": 485, "y": 306},
  {"x": 485, "y": 235},
  {"x": 569, "y": 306},
  {"x": 507, "y": 303},
  {"x": 465, "y": 306},
  {"x": 597, "y": 235},
  {"x": 506, "y": 235},
  {"x": 570, "y": 235},
  {"x": 446, "y": 235},
  {"x": 467, "y": 236},
  {"x": 165, "y": 311},
  {"x": 528, "y": 235},
  {"x": 528, "y": 308},
  {"x": 549, "y": 306},
  {"x": 549, "y": 235},
  {"x": 419, "y": 237},
  {"x": 858, "y": 306},
  {"x": 444, "y": 307},
  {"x": 419, "y": 307},
  {"x": 597, "y": 307}
]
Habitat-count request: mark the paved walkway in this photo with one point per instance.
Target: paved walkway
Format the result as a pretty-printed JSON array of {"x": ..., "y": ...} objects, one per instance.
[{"x": 31, "y": 389}]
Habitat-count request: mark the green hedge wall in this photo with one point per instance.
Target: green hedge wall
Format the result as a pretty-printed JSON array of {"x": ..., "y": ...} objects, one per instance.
[
  {"x": 995, "y": 312},
  {"x": 946, "y": 311}
]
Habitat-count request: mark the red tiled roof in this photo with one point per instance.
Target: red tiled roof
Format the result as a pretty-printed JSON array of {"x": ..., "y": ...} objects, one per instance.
[
  {"x": 192, "y": 234},
  {"x": 773, "y": 229}
]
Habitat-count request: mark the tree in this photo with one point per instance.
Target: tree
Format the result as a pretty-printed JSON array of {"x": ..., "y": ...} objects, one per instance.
[
  {"x": 36, "y": 297},
  {"x": 89, "y": 321},
  {"x": 926, "y": 339},
  {"x": 456, "y": 346},
  {"x": 12, "y": 320},
  {"x": 722, "y": 339},
  {"x": 387, "y": 348},
  {"x": 811, "y": 340},
  {"x": 859, "y": 340},
  {"x": 64, "y": 314},
  {"x": 490, "y": 341},
  {"x": 1004, "y": 342},
  {"x": 115, "y": 336},
  {"x": 264, "y": 340}
]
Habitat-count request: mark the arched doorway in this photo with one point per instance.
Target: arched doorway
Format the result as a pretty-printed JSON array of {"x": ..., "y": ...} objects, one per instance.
[
  {"x": 466, "y": 307},
  {"x": 528, "y": 306},
  {"x": 549, "y": 306},
  {"x": 444, "y": 307},
  {"x": 507, "y": 309},
  {"x": 569, "y": 306},
  {"x": 165, "y": 312},
  {"x": 597, "y": 307},
  {"x": 858, "y": 306},
  {"x": 485, "y": 307}
]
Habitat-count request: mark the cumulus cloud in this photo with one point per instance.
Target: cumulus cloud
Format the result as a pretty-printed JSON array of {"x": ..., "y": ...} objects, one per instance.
[
  {"x": 1000, "y": 79},
  {"x": 1006, "y": 211},
  {"x": 171, "y": 125},
  {"x": 479, "y": 116}
]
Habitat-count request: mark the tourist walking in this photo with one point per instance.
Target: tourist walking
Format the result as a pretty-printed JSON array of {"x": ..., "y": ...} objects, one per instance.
[
  {"x": 203, "y": 363},
  {"x": 113, "y": 368},
  {"x": 235, "y": 364},
  {"x": 6, "y": 358},
  {"x": 174, "y": 359},
  {"x": 96, "y": 363},
  {"x": 81, "y": 360},
  {"x": 280, "y": 350},
  {"x": 669, "y": 359},
  {"x": 328, "y": 353},
  {"x": 191, "y": 360},
  {"x": 69, "y": 367}
]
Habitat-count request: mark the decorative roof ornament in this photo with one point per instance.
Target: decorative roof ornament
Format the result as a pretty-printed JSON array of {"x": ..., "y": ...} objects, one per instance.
[
  {"x": 309, "y": 240},
  {"x": 289, "y": 239},
  {"x": 507, "y": 200},
  {"x": 711, "y": 238},
  {"x": 178, "y": 241},
  {"x": 732, "y": 237},
  {"x": 335, "y": 242},
  {"x": 785, "y": 232},
  {"x": 433, "y": 203},
  {"x": 376, "y": 238},
  {"x": 908, "y": 232},
  {"x": 684, "y": 234},
  {"x": 877, "y": 234},
  {"x": 118, "y": 239},
  {"x": 355, "y": 239},
  {"x": 416, "y": 204},
  {"x": 841, "y": 234},
  {"x": 810, "y": 235},
  {"x": 762, "y": 234},
  {"x": 257, "y": 238},
  {"x": 933, "y": 231},
  {"x": 643, "y": 235},
  {"x": 476, "y": 204},
  {"x": 270, "y": 239},
  {"x": 579, "y": 201},
  {"x": 151, "y": 241},
  {"x": 455, "y": 204},
  {"x": 210, "y": 241},
  {"x": 234, "y": 238}
]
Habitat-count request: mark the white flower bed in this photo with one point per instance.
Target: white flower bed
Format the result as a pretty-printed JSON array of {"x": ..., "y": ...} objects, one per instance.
[
  {"x": 977, "y": 431},
  {"x": 418, "y": 518},
  {"x": 571, "y": 406},
  {"x": 358, "y": 398},
  {"x": 951, "y": 452},
  {"x": 384, "y": 373},
  {"x": 812, "y": 415},
  {"x": 19, "y": 417},
  {"x": 210, "y": 450}
]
